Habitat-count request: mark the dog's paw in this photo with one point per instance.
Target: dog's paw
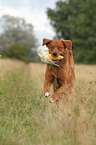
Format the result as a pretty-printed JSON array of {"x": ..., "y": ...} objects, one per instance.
[
  {"x": 51, "y": 100},
  {"x": 47, "y": 94}
]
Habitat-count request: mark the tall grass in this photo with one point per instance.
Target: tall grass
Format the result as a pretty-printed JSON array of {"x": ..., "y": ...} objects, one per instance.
[{"x": 28, "y": 118}]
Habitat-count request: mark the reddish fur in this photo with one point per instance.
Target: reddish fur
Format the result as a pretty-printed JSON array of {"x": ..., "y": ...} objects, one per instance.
[{"x": 64, "y": 74}]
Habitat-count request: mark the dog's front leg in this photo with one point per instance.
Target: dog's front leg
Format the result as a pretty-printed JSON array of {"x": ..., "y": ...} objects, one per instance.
[
  {"x": 47, "y": 83},
  {"x": 47, "y": 87},
  {"x": 62, "y": 89}
]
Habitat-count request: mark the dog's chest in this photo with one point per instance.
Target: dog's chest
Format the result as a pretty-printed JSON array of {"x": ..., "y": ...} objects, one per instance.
[
  {"x": 58, "y": 74},
  {"x": 56, "y": 71}
]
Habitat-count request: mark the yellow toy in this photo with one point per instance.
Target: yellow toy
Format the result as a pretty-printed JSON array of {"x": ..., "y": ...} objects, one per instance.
[
  {"x": 48, "y": 58},
  {"x": 55, "y": 58}
]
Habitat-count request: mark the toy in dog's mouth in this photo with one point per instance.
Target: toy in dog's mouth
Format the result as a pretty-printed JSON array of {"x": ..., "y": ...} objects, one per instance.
[
  {"x": 46, "y": 57},
  {"x": 56, "y": 59}
]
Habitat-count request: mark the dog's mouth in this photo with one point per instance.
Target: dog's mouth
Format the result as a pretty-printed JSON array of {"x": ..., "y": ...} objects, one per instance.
[{"x": 55, "y": 61}]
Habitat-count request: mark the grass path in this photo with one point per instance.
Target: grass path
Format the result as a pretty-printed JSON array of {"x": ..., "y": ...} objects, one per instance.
[{"x": 27, "y": 117}]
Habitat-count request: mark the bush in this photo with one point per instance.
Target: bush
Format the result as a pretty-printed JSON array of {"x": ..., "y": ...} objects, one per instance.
[{"x": 17, "y": 51}]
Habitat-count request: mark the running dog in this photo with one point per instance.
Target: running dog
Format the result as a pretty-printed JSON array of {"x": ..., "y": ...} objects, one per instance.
[{"x": 62, "y": 76}]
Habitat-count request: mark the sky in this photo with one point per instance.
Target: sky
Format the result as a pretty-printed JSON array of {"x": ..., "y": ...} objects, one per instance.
[{"x": 34, "y": 12}]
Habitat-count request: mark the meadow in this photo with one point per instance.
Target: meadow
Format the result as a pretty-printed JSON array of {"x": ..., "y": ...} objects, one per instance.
[{"x": 28, "y": 118}]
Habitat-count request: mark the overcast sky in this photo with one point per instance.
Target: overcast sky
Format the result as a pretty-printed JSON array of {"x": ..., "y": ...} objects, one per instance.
[{"x": 33, "y": 11}]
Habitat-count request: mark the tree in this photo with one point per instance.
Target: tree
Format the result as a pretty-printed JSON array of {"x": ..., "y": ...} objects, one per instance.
[
  {"x": 17, "y": 51},
  {"x": 76, "y": 20},
  {"x": 16, "y": 30}
]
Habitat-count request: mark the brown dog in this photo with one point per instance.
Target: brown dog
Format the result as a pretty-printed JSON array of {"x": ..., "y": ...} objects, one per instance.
[{"x": 62, "y": 77}]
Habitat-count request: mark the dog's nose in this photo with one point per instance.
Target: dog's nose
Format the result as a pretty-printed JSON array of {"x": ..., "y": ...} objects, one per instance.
[{"x": 54, "y": 53}]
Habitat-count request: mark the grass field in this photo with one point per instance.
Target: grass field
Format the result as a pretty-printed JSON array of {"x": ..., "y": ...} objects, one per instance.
[{"x": 28, "y": 118}]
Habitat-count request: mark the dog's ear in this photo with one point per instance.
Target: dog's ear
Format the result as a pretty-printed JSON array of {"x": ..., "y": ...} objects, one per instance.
[
  {"x": 46, "y": 41},
  {"x": 67, "y": 43}
]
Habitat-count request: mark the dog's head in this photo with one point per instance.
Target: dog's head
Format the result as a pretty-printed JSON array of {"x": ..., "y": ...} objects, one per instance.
[{"x": 57, "y": 47}]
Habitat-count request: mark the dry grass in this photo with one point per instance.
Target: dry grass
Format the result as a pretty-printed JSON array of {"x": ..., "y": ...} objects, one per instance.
[
  {"x": 7, "y": 66},
  {"x": 34, "y": 120},
  {"x": 77, "y": 117}
]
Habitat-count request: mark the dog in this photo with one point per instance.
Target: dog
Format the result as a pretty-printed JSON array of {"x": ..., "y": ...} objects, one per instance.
[{"x": 62, "y": 76}]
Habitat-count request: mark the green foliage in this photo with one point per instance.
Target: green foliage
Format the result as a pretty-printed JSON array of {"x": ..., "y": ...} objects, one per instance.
[
  {"x": 76, "y": 20},
  {"x": 16, "y": 30},
  {"x": 17, "y": 51}
]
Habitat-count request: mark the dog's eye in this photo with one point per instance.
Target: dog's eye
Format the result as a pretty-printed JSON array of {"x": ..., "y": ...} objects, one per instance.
[
  {"x": 60, "y": 47},
  {"x": 51, "y": 47}
]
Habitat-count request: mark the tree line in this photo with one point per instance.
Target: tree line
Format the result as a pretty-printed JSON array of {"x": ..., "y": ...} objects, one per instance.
[
  {"x": 71, "y": 19},
  {"x": 76, "y": 20},
  {"x": 17, "y": 39}
]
